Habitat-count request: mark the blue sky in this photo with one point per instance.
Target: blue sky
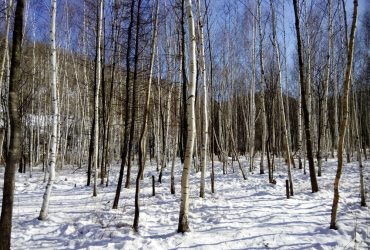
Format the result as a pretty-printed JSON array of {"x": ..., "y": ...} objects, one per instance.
[{"x": 39, "y": 10}]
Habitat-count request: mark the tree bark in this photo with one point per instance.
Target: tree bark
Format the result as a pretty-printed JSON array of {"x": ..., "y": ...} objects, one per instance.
[
  {"x": 358, "y": 148},
  {"x": 175, "y": 146},
  {"x": 134, "y": 96},
  {"x": 144, "y": 129},
  {"x": 252, "y": 105},
  {"x": 323, "y": 120},
  {"x": 5, "y": 62},
  {"x": 205, "y": 103},
  {"x": 281, "y": 102},
  {"x": 6, "y": 43},
  {"x": 263, "y": 83},
  {"x": 343, "y": 122},
  {"x": 306, "y": 113},
  {"x": 15, "y": 129},
  {"x": 124, "y": 140},
  {"x": 55, "y": 113},
  {"x": 98, "y": 80},
  {"x": 183, "y": 225}
]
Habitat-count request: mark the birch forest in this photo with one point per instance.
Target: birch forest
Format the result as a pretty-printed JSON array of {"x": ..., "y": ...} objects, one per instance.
[{"x": 177, "y": 124}]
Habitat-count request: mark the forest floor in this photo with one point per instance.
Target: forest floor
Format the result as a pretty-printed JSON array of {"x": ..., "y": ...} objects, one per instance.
[{"x": 250, "y": 214}]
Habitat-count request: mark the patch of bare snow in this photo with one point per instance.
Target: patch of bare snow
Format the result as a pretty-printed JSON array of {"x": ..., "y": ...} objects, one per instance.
[{"x": 251, "y": 214}]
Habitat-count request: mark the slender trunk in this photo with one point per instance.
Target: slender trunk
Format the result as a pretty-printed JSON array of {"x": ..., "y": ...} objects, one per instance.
[
  {"x": 87, "y": 103},
  {"x": 306, "y": 113},
  {"x": 324, "y": 118},
  {"x": 263, "y": 85},
  {"x": 134, "y": 92},
  {"x": 175, "y": 146},
  {"x": 98, "y": 80},
  {"x": 165, "y": 128},
  {"x": 115, "y": 31},
  {"x": 252, "y": 106},
  {"x": 126, "y": 108},
  {"x": 184, "y": 124},
  {"x": 5, "y": 56},
  {"x": 214, "y": 138},
  {"x": 5, "y": 65},
  {"x": 144, "y": 129},
  {"x": 343, "y": 122},
  {"x": 236, "y": 154},
  {"x": 183, "y": 225},
  {"x": 299, "y": 146},
  {"x": 358, "y": 147},
  {"x": 65, "y": 139},
  {"x": 205, "y": 103},
  {"x": 31, "y": 145},
  {"x": 281, "y": 101},
  {"x": 287, "y": 108},
  {"x": 55, "y": 113},
  {"x": 15, "y": 125},
  {"x": 335, "y": 101}
]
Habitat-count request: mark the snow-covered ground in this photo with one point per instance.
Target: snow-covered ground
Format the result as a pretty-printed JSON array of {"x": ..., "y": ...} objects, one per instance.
[{"x": 251, "y": 214}]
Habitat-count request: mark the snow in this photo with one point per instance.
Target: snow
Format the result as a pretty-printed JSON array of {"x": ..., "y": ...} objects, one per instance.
[{"x": 251, "y": 214}]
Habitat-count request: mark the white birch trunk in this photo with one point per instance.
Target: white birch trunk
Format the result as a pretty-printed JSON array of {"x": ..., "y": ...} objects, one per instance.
[
  {"x": 55, "y": 113},
  {"x": 190, "y": 117},
  {"x": 205, "y": 109},
  {"x": 96, "y": 95},
  {"x": 344, "y": 119}
]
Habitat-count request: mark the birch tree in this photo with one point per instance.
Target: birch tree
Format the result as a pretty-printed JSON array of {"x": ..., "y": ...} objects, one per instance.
[
  {"x": 183, "y": 225},
  {"x": 96, "y": 93},
  {"x": 345, "y": 111},
  {"x": 263, "y": 85},
  {"x": 252, "y": 105},
  {"x": 205, "y": 101},
  {"x": 54, "y": 106}
]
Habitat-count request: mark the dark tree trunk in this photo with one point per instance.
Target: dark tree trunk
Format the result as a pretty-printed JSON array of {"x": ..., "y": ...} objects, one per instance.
[
  {"x": 91, "y": 150},
  {"x": 133, "y": 103},
  {"x": 104, "y": 107},
  {"x": 124, "y": 140},
  {"x": 306, "y": 114},
  {"x": 184, "y": 127},
  {"x": 143, "y": 133},
  {"x": 15, "y": 129}
]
